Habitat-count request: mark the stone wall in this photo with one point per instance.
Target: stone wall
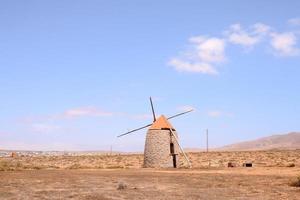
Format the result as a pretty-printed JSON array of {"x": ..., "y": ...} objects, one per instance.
[{"x": 157, "y": 149}]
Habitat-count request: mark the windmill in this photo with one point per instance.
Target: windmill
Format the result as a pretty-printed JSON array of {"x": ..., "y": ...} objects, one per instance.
[{"x": 162, "y": 146}]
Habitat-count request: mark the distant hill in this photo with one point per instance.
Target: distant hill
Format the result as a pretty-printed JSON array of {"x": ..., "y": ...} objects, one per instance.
[{"x": 286, "y": 141}]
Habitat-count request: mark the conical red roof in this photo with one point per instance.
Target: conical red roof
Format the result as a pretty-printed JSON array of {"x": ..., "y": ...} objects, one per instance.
[{"x": 161, "y": 123}]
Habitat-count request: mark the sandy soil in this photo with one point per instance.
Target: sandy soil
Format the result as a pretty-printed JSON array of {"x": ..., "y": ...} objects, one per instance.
[
  {"x": 273, "y": 158},
  {"x": 216, "y": 183}
]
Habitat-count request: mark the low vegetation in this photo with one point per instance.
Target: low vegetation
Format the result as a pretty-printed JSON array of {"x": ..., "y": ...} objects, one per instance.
[
  {"x": 10, "y": 166},
  {"x": 199, "y": 160},
  {"x": 3, "y": 165},
  {"x": 296, "y": 183},
  {"x": 291, "y": 165}
]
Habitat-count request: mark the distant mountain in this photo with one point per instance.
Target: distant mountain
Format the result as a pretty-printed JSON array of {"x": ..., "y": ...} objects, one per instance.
[{"x": 286, "y": 141}]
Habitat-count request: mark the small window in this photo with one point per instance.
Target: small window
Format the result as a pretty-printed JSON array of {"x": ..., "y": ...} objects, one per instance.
[{"x": 172, "y": 148}]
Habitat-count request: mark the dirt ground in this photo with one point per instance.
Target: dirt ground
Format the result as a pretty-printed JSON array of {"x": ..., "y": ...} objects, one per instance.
[
  {"x": 271, "y": 158},
  {"x": 215, "y": 183}
]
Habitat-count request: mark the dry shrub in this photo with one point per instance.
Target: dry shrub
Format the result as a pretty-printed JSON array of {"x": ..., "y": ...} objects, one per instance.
[
  {"x": 114, "y": 167},
  {"x": 75, "y": 166},
  {"x": 296, "y": 183},
  {"x": 4, "y": 166},
  {"x": 37, "y": 167},
  {"x": 121, "y": 186},
  {"x": 10, "y": 166},
  {"x": 291, "y": 165}
]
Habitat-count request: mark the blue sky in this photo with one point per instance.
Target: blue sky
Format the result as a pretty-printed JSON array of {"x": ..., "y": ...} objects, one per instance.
[{"x": 75, "y": 74}]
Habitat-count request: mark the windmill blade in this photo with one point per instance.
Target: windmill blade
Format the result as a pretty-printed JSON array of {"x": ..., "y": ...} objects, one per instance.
[
  {"x": 153, "y": 113},
  {"x": 180, "y": 114},
  {"x": 135, "y": 130}
]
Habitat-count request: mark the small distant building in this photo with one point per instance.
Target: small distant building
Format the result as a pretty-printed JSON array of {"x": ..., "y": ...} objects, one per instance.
[{"x": 13, "y": 155}]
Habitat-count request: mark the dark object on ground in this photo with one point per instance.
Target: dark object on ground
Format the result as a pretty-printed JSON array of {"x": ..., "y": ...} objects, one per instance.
[
  {"x": 121, "y": 186},
  {"x": 291, "y": 165},
  {"x": 231, "y": 164},
  {"x": 247, "y": 164}
]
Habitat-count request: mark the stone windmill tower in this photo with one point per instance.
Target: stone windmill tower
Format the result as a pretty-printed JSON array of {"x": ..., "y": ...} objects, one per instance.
[{"x": 162, "y": 146}]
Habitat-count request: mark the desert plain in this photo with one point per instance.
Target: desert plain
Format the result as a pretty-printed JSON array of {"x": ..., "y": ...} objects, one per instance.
[{"x": 122, "y": 176}]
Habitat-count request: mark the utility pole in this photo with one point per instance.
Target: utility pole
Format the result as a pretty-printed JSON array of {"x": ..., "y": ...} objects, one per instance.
[
  {"x": 111, "y": 150},
  {"x": 206, "y": 140},
  {"x": 207, "y": 147}
]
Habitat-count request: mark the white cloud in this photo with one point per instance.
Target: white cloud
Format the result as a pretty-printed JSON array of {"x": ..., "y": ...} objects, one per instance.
[
  {"x": 243, "y": 39},
  {"x": 44, "y": 128},
  {"x": 187, "y": 66},
  {"x": 248, "y": 38},
  {"x": 205, "y": 52},
  {"x": 20, "y": 145},
  {"x": 141, "y": 116},
  {"x": 284, "y": 44},
  {"x": 209, "y": 50},
  {"x": 294, "y": 21},
  {"x": 48, "y": 123},
  {"x": 72, "y": 113},
  {"x": 260, "y": 28},
  {"x": 85, "y": 112}
]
